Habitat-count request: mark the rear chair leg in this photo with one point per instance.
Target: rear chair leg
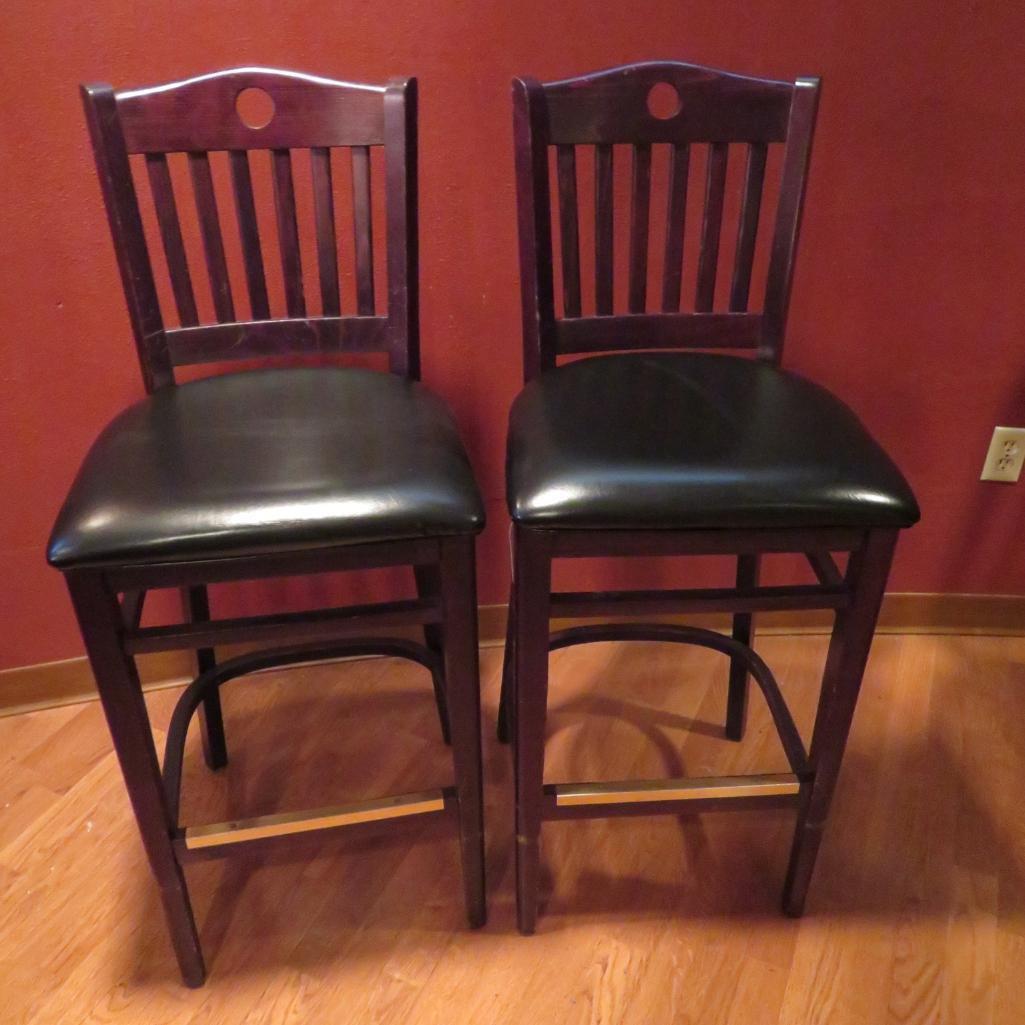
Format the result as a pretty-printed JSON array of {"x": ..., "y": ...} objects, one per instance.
[
  {"x": 462, "y": 678},
  {"x": 532, "y": 575},
  {"x": 743, "y": 631},
  {"x": 196, "y": 608},
  {"x": 428, "y": 586},
  {"x": 507, "y": 699},
  {"x": 99, "y": 617},
  {"x": 849, "y": 646}
]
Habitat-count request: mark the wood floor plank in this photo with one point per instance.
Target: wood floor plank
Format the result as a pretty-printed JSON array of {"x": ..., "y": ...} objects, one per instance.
[
  {"x": 916, "y": 913},
  {"x": 63, "y": 757}
]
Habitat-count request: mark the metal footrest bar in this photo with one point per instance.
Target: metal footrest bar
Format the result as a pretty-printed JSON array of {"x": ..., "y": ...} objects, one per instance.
[
  {"x": 239, "y": 831},
  {"x": 789, "y": 736},
  {"x": 671, "y": 796},
  {"x": 698, "y": 788},
  {"x": 192, "y": 696}
]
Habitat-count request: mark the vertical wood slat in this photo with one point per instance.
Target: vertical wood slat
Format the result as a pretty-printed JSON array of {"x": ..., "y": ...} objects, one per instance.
[
  {"x": 603, "y": 264},
  {"x": 210, "y": 229},
  {"x": 324, "y": 214},
  {"x": 249, "y": 233},
  {"x": 364, "y": 230},
  {"x": 747, "y": 232},
  {"x": 288, "y": 232},
  {"x": 711, "y": 228},
  {"x": 640, "y": 216},
  {"x": 569, "y": 229},
  {"x": 676, "y": 213},
  {"x": 171, "y": 237}
]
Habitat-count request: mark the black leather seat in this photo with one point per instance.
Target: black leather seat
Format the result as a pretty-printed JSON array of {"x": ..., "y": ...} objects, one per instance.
[
  {"x": 676, "y": 440},
  {"x": 269, "y": 460}
]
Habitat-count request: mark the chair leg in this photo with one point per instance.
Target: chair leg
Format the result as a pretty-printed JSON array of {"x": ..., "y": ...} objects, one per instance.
[
  {"x": 743, "y": 631},
  {"x": 462, "y": 679},
  {"x": 428, "y": 586},
  {"x": 845, "y": 665},
  {"x": 532, "y": 573},
  {"x": 99, "y": 618},
  {"x": 507, "y": 699},
  {"x": 196, "y": 607}
]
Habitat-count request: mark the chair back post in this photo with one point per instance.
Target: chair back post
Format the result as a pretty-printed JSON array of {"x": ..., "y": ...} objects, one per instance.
[
  {"x": 400, "y": 144},
  {"x": 114, "y": 172},
  {"x": 533, "y": 201},
  {"x": 800, "y": 134}
]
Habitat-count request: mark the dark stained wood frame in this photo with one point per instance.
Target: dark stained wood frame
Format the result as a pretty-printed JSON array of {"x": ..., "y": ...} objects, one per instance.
[
  {"x": 609, "y": 108},
  {"x": 198, "y": 116},
  {"x": 605, "y": 109}
]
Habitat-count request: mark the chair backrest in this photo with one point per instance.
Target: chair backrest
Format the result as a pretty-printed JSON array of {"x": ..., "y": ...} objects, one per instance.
[
  {"x": 207, "y": 115},
  {"x": 621, "y": 106}
]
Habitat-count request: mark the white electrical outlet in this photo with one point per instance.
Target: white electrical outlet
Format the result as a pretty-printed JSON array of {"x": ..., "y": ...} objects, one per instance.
[{"x": 1005, "y": 456}]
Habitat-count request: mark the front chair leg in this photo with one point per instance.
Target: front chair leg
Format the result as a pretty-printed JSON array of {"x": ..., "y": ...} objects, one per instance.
[
  {"x": 428, "y": 586},
  {"x": 532, "y": 576},
  {"x": 462, "y": 678},
  {"x": 196, "y": 608},
  {"x": 743, "y": 631},
  {"x": 841, "y": 681},
  {"x": 99, "y": 617}
]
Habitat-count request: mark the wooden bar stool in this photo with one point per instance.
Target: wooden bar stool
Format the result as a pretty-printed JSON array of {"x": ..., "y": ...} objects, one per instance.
[
  {"x": 270, "y": 472},
  {"x": 645, "y": 453}
]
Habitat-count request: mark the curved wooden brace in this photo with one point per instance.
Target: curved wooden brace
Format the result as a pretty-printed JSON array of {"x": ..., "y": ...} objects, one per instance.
[
  {"x": 789, "y": 736},
  {"x": 192, "y": 696}
]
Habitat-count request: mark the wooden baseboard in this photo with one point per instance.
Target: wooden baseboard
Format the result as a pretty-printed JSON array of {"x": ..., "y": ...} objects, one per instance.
[{"x": 50, "y": 684}]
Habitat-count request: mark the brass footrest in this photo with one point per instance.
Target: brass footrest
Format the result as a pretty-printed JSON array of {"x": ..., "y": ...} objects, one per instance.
[
  {"x": 219, "y": 834},
  {"x": 657, "y": 790}
]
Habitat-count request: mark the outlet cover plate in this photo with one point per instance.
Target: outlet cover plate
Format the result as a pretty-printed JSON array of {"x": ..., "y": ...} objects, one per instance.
[{"x": 1005, "y": 456}]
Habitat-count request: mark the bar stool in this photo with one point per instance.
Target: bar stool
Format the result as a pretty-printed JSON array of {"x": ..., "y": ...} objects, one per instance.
[
  {"x": 646, "y": 452},
  {"x": 271, "y": 471}
]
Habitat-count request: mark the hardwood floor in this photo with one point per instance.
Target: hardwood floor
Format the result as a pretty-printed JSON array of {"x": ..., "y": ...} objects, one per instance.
[{"x": 916, "y": 913}]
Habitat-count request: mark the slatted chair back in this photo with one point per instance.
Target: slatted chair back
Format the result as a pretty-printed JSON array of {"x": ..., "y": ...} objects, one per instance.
[
  {"x": 204, "y": 116},
  {"x": 620, "y": 107}
]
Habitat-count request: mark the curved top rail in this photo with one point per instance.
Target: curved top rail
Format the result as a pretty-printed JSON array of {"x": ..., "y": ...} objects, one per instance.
[
  {"x": 612, "y": 105},
  {"x": 255, "y": 72},
  {"x": 200, "y": 113}
]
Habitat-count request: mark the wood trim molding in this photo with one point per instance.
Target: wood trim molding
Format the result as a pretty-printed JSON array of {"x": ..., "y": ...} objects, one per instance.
[{"x": 49, "y": 684}]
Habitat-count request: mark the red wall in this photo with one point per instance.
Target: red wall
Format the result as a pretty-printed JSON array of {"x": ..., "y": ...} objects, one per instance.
[{"x": 910, "y": 293}]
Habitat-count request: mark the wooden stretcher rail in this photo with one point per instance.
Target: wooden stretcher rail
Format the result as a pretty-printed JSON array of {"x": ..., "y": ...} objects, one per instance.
[
  {"x": 583, "y": 604},
  {"x": 290, "y": 626}
]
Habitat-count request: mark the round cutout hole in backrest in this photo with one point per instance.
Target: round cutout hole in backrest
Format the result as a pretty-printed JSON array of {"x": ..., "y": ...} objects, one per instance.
[
  {"x": 663, "y": 101},
  {"x": 254, "y": 107}
]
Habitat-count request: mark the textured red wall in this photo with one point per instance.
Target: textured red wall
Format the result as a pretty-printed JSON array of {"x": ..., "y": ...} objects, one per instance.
[{"x": 910, "y": 293}]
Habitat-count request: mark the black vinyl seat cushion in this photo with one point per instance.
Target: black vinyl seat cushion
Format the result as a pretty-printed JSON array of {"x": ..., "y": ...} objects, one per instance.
[
  {"x": 692, "y": 440},
  {"x": 268, "y": 460}
]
